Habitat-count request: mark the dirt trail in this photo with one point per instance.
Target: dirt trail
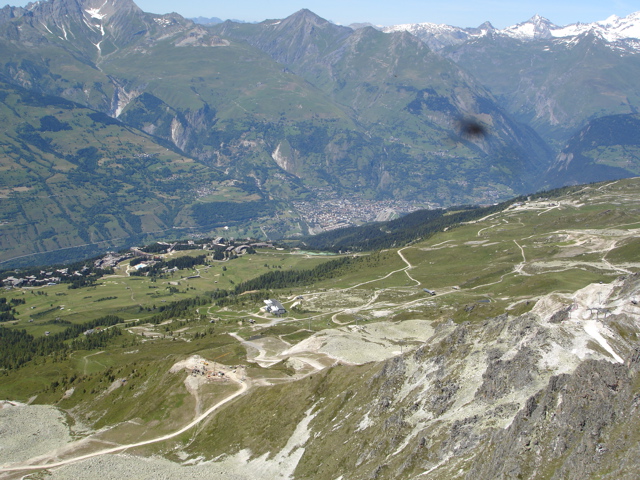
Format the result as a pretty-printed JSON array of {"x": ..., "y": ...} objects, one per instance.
[
  {"x": 486, "y": 228},
  {"x": 86, "y": 362},
  {"x": 409, "y": 266},
  {"x": 262, "y": 358},
  {"x": 354, "y": 311},
  {"x": 265, "y": 359},
  {"x": 521, "y": 265}
]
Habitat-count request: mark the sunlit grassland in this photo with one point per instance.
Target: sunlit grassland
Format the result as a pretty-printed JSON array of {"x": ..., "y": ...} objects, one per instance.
[
  {"x": 130, "y": 297},
  {"x": 626, "y": 251},
  {"x": 156, "y": 400}
]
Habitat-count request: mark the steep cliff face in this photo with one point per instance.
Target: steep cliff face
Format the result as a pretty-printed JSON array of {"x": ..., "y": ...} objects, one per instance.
[{"x": 285, "y": 157}]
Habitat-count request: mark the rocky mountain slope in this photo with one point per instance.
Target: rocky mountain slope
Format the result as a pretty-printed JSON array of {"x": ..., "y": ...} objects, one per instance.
[
  {"x": 540, "y": 395},
  {"x": 330, "y": 134}
]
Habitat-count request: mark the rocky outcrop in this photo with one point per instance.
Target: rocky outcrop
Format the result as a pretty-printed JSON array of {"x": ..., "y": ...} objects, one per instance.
[
  {"x": 9, "y": 13},
  {"x": 573, "y": 429},
  {"x": 533, "y": 396}
]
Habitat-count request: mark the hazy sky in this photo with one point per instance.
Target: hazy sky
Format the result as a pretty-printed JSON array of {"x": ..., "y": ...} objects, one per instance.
[{"x": 461, "y": 13}]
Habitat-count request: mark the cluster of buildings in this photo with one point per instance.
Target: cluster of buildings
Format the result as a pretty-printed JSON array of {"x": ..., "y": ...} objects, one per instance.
[
  {"x": 230, "y": 246},
  {"x": 329, "y": 212},
  {"x": 110, "y": 260},
  {"x": 205, "y": 191},
  {"x": 44, "y": 278}
]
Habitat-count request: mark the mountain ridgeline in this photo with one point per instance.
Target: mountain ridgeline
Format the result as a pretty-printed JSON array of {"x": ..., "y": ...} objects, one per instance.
[{"x": 160, "y": 123}]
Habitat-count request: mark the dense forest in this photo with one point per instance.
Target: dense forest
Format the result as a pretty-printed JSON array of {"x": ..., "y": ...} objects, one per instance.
[
  {"x": 19, "y": 347},
  {"x": 183, "y": 308},
  {"x": 7, "y": 309}
]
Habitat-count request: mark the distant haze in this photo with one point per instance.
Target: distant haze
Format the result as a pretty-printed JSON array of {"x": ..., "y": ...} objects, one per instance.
[{"x": 460, "y": 13}]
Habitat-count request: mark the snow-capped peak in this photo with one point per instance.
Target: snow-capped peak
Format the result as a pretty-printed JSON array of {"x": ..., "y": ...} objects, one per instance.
[
  {"x": 612, "y": 20},
  {"x": 438, "y": 36},
  {"x": 536, "y": 27},
  {"x": 612, "y": 29}
]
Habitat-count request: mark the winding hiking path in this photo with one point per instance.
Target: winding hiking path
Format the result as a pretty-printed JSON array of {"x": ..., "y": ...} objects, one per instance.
[
  {"x": 86, "y": 362},
  {"x": 521, "y": 265},
  {"x": 409, "y": 266}
]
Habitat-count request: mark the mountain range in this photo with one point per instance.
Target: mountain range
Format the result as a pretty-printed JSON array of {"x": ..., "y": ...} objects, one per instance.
[
  {"x": 289, "y": 110},
  {"x": 614, "y": 29}
]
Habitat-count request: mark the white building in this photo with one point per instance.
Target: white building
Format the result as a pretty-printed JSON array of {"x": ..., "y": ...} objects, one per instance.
[{"x": 274, "y": 307}]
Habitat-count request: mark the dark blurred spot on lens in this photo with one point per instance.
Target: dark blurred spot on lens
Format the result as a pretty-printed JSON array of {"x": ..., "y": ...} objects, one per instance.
[{"x": 471, "y": 128}]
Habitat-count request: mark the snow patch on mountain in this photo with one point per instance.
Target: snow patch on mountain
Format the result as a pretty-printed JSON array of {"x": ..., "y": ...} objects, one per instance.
[
  {"x": 418, "y": 27},
  {"x": 95, "y": 13},
  {"x": 438, "y": 36}
]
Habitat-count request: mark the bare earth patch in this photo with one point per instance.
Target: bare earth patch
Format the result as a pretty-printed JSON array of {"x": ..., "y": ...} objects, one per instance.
[{"x": 364, "y": 343}]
